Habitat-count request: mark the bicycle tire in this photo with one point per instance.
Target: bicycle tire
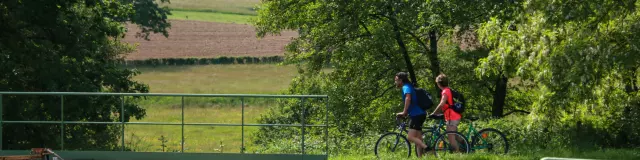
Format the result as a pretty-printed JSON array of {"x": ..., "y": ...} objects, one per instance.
[
  {"x": 445, "y": 145},
  {"x": 399, "y": 138},
  {"x": 475, "y": 140}
]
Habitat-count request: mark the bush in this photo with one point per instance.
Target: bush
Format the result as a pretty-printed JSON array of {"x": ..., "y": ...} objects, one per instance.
[{"x": 203, "y": 61}]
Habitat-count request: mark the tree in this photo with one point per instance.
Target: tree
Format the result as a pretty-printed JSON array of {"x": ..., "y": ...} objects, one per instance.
[
  {"x": 70, "y": 46},
  {"x": 580, "y": 55},
  {"x": 366, "y": 43}
]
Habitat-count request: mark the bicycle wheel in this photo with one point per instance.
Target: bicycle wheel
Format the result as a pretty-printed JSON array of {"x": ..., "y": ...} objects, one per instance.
[
  {"x": 393, "y": 145},
  {"x": 443, "y": 146},
  {"x": 490, "y": 140}
]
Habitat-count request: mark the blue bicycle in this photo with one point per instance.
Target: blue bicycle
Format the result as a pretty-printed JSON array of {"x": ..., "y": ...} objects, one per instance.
[{"x": 396, "y": 144}]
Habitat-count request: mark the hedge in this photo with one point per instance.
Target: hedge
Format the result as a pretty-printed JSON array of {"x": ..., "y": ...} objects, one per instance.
[{"x": 203, "y": 61}]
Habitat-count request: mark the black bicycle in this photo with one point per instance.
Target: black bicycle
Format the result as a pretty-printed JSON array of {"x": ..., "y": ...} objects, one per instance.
[{"x": 396, "y": 144}]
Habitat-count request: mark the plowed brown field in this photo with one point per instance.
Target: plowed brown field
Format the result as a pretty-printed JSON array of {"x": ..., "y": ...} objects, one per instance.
[{"x": 207, "y": 39}]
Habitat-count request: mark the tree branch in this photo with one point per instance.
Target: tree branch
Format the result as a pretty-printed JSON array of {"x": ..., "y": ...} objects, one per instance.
[
  {"x": 516, "y": 111},
  {"x": 386, "y": 55},
  {"x": 365, "y": 27},
  {"x": 417, "y": 39},
  {"x": 383, "y": 93},
  {"x": 380, "y": 76},
  {"x": 380, "y": 16},
  {"x": 489, "y": 87}
]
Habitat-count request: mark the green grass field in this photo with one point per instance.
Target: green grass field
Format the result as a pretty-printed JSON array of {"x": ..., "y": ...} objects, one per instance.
[
  {"x": 244, "y": 7},
  {"x": 236, "y": 79},
  {"x": 211, "y": 16},
  {"x": 210, "y": 79},
  {"x": 223, "y": 11}
]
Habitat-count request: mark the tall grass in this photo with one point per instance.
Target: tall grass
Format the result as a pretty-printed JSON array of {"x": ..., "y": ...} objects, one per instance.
[
  {"x": 211, "y": 79},
  {"x": 218, "y": 79},
  {"x": 227, "y": 139}
]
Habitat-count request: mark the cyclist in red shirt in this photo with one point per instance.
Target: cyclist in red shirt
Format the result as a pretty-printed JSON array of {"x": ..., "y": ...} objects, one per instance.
[{"x": 451, "y": 117}]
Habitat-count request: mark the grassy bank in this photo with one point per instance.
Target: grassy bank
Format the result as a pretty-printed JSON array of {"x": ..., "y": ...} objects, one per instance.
[
  {"x": 621, "y": 154},
  {"x": 209, "y": 79}
]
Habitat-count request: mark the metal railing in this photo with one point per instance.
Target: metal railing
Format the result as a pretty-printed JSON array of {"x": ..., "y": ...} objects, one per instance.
[{"x": 122, "y": 122}]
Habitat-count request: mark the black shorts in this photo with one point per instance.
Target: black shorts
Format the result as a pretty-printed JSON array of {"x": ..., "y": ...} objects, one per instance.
[{"x": 416, "y": 122}]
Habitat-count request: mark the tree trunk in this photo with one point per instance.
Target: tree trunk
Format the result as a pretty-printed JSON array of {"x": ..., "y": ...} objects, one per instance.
[
  {"x": 499, "y": 96},
  {"x": 433, "y": 58},
  {"x": 403, "y": 48},
  {"x": 632, "y": 83},
  {"x": 634, "y": 80}
]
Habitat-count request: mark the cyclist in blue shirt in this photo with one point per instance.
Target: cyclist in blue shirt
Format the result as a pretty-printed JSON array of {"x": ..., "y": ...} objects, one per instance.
[{"x": 416, "y": 114}]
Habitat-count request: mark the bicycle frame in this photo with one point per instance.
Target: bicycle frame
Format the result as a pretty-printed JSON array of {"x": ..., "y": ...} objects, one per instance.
[
  {"x": 436, "y": 129},
  {"x": 401, "y": 125},
  {"x": 471, "y": 131}
]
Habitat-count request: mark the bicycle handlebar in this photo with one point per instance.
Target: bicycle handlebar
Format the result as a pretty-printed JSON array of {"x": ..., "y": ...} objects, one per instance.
[
  {"x": 436, "y": 116},
  {"x": 399, "y": 119}
]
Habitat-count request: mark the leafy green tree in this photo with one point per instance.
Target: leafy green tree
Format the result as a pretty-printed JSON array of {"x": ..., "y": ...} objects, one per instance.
[
  {"x": 582, "y": 57},
  {"x": 70, "y": 46},
  {"x": 366, "y": 43}
]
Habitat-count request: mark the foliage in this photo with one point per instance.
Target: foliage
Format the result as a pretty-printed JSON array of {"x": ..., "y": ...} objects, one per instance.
[
  {"x": 203, "y": 61},
  {"x": 70, "y": 45},
  {"x": 366, "y": 43},
  {"x": 583, "y": 59},
  {"x": 570, "y": 67}
]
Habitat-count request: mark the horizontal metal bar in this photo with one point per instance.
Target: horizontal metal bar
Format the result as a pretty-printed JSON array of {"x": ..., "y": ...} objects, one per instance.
[
  {"x": 153, "y": 123},
  {"x": 285, "y": 125},
  {"x": 163, "y": 94},
  {"x": 31, "y": 122},
  {"x": 58, "y": 122},
  {"x": 118, "y": 155},
  {"x": 158, "y": 123}
]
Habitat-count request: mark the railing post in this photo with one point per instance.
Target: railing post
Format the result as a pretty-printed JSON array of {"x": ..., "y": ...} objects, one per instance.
[
  {"x": 242, "y": 145},
  {"x": 62, "y": 122},
  {"x": 1, "y": 117},
  {"x": 326, "y": 126},
  {"x": 303, "y": 124},
  {"x": 122, "y": 119},
  {"x": 182, "y": 144}
]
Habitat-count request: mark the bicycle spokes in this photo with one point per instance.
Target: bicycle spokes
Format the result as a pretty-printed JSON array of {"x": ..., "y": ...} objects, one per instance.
[
  {"x": 395, "y": 144},
  {"x": 490, "y": 141},
  {"x": 451, "y": 142},
  {"x": 392, "y": 145}
]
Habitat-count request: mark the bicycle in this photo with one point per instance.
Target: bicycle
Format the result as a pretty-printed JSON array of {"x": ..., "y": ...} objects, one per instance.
[
  {"x": 399, "y": 145},
  {"x": 482, "y": 139},
  {"x": 436, "y": 137}
]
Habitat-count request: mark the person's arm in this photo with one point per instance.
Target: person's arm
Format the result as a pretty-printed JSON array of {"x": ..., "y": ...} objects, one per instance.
[
  {"x": 443, "y": 101},
  {"x": 407, "y": 102}
]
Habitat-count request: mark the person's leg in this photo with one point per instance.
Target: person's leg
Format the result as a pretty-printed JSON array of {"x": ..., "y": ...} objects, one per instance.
[
  {"x": 415, "y": 133},
  {"x": 416, "y": 138},
  {"x": 453, "y": 126},
  {"x": 458, "y": 139}
]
